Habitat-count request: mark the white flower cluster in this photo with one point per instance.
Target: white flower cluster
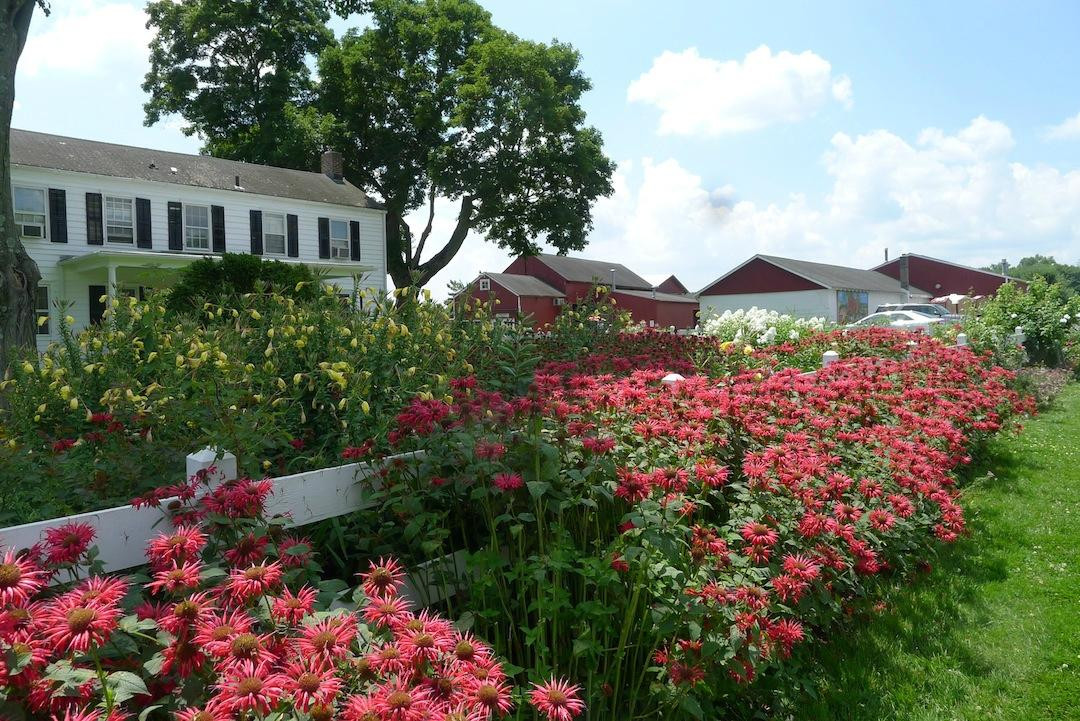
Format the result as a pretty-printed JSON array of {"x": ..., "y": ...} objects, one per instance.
[{"x": 759, "y": 326}]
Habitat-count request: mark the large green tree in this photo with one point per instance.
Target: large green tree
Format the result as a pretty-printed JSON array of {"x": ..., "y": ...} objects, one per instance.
[
  {"x": 19, "y": 274},
  {"x": 237, "y": 71},
  {"x": 434, "y": 101}
]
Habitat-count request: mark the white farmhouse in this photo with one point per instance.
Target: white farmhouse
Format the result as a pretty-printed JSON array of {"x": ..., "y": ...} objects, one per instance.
[
  {"x": 101, "y": 219},
  {"x": 804, "y": 289}
]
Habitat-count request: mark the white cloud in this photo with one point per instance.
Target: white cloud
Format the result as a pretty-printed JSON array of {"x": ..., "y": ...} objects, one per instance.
[
  {"x": 1068, "y": 129},
  {"x": 87, "y": 38},
  {"x": 699, "y": 95},
  {"x": 954, "y": 196}
]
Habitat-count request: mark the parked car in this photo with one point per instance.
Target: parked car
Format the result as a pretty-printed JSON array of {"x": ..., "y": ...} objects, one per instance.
[
  {"x": 932, "y": 309},
  {"x": 903, "y": 319}
]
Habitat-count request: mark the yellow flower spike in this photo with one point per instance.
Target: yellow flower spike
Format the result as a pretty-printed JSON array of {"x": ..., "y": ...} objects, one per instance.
[
  {"x": 266, "y": 465},
  {"x": 249, "y": 367},
  {"x": 41, "y": 408},
  {"x": 300, "y": 342},
  {"x": 296, "y": 378},
  {"x": 69, "y": 320},
  {"x": 365, "y": 407},
  {"x": 65, "y": 392},
  {"x": 281, "y": 384},
  {"x": 73, "y": 404},
  {"x": 269, "y": 350},
  {"x": 42, "y": 320},
  {"x": 27, "y": 367},
  {"x": 342, "y": 403},
  {"x": 748, "y": 350},
  {"x": 258, "y": 397},
  {"x": 353, "y": 343},
  {"x": 345, "y": 331},
  {"x": 270, "y": 333},
  {"x": 37, "y": 419}
]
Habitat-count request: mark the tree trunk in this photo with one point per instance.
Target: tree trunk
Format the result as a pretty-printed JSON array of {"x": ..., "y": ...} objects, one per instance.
[
  {"x": 405, "y": 269},
  {"x": 19, "y": 274}
]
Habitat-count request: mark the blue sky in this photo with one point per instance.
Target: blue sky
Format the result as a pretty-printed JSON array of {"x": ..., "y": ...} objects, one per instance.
[{"x": 825, "y": 131}]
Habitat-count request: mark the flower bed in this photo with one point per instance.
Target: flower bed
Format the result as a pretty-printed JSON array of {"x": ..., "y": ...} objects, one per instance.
[
  {"x": 233, "y": 622},
  {"x": 669, "y": 547}
]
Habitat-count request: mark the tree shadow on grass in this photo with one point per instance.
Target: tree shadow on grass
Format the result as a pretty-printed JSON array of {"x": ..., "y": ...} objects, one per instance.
[{"x": 919, "y": 648}]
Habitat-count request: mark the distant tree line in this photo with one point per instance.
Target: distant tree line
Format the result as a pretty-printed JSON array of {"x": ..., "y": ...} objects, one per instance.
[{"x": 1046, "y": 266}]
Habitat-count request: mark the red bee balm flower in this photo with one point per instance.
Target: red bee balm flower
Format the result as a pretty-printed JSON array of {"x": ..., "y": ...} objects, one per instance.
[
  {"x": 246, "y": 583},
  {"x": 70, "y": 624},
  {"x": 507, "y": 481},
  {"x": 250, "y": 687},
  {"x": 328, "y": 640},
  {"x": 557, "y": 700},
  {"x": 384, "y": 579}
]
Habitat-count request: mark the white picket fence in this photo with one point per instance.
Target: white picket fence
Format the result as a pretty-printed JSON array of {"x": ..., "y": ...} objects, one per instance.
[{"x": 123, "y": 532}]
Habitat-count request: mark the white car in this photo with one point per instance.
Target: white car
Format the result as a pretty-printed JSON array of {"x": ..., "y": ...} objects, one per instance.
[{"x": 902, "y": 319}]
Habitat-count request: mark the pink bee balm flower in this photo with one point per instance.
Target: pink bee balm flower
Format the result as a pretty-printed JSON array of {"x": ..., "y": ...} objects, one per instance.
[
  {"x": 558, "y": 700},
  {"x": 289, "y": 608},
  {"x": 327, "y": 641},
  {"x": 20, "y": 579},
  {"x": 384, "y": 579},
  {"x": 67, "y": 543},
  {"x": 246, "y": 583},
  {"x": 69, "y": 624},
  {"x": 507, "y": 481},
  {"x": 247, "y": 686}
]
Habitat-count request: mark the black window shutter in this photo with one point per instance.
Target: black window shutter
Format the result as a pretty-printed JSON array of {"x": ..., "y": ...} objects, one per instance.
[
  {"x": 324, "y": 237},
  {"x": 97, "y": 308},
  {"x": 142, "y": 223},
  {"x": 95, "y": 234},
  {"x": 354, "y": 240},
  {"x": 58, "y": 215},
  {"x": 217, "y": 227},
  {"x": 256, "y": 232},
  {"x": 292, "y": 232},
  {"x": 176, "y": 226}
]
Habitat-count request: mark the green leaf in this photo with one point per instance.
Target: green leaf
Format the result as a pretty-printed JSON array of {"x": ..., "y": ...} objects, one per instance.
[
  {"x": 538, "y": 488},
  {"x": 125, "y": 685},
  {"x": 692, "y": 707}
]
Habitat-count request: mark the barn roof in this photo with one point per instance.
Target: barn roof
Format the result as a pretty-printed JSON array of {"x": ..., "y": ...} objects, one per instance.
[
  {"x": 834, "y": 277},
  {"x": 582, "y": 270},
  {"x": 57, "y": 152},
  {"x": 948, "y": 262},
  {"x": 666, "y": 297},
  {"x": 525, "y": 286}
]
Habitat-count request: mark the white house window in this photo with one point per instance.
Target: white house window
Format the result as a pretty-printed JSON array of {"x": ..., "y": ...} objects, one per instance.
[
  {"x": 485, "y": 284},
  {"x": 196, "y": 227},
  {"x": 30, "y": 212},
  {"x": 41, "y": 309},
  {"x": 274, "y": 233},
  {"x": 119, "y": 220},
  {"x": 339, "y": 239}
]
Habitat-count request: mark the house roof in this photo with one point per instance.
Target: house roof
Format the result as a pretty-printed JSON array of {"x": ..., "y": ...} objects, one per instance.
[
  {"x": 666, "y": 297},
  {"x": 835, "y": 277},
  {"x": 57, "y": 152},
  {"x": 949, "y": 262},
  {"x": 523, "y": 285},
  {"x": 582, "y": 270}
]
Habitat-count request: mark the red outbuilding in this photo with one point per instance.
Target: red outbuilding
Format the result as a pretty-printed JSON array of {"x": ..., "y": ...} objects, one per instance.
[
  {"x": 539, "y": 285},
  {"x": 942, "y": 277}
]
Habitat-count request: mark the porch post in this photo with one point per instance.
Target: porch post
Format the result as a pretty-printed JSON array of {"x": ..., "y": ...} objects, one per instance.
[{"x": 110, "y": 286}]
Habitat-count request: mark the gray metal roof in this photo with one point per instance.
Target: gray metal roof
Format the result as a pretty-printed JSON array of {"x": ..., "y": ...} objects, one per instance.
[
  {"x": 668, "y": 297},
  {"x": 836, "y": 276},
  {"x": 581, "y": 270},
  {"x": 524, "y": 285},
  {"x": 42, "y": 150}
]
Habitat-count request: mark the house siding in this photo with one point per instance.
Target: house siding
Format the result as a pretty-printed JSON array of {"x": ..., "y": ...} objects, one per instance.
[{"x": 236, "y": 206}]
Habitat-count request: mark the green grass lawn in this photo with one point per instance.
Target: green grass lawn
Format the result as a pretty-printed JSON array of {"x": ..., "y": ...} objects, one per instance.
[{"x": 994, "y": 631}]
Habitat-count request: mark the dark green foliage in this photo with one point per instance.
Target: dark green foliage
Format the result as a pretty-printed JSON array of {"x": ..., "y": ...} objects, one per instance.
[
  {"x": 211, "y": 280},
  {"x": 1035, "y": 265},
  {"x": 236, "y": 71}
]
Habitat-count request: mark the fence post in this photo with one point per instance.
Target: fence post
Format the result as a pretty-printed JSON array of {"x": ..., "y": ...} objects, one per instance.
[
  {"x": 223, "y": 461},
  {"x": 961, "y": 340},
  {"x": 828, "y": 358}
]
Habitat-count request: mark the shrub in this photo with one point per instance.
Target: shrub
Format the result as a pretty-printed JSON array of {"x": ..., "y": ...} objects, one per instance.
[
  {"x": 233, "y": 620},
  {"x": 669, "y": 547},
  {"x": 760, "y": 327},
  {"x": 1043, "y": 310},
  {"x": 222, "y": 281}
]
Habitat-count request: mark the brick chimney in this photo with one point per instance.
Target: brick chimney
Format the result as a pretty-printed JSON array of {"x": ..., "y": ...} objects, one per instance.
[{"x": 333, "y": 166}]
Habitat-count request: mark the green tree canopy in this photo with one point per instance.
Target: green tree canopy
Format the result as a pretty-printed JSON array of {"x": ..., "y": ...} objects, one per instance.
[
  {"x": 1046, "y": 266},
  {"x": 237, "y": 71},
  {"x": 431, "y": 101}
]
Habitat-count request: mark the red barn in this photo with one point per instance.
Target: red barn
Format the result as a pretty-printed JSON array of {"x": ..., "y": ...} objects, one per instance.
[
  {"x": 941, "y": 277},
  {"x": 538, "y": 285}
]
